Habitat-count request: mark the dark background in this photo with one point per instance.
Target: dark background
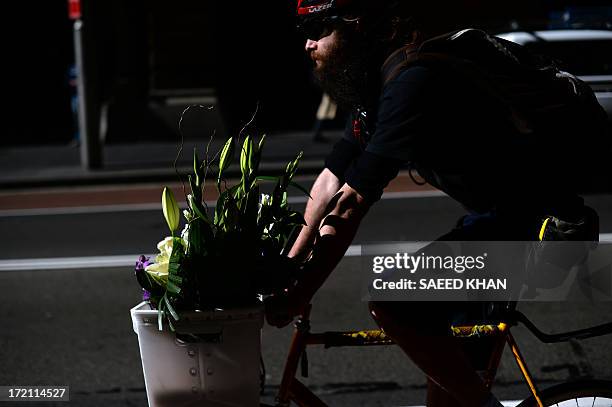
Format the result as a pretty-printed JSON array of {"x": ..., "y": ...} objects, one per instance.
[{"x": 146, "y": 51}]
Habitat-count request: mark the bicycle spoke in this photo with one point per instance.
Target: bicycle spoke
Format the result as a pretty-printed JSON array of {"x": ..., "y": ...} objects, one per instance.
[{"x": 586, "y": 402}]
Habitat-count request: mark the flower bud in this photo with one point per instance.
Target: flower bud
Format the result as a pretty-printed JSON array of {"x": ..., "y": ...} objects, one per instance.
[{"x": 171, "y": 209}]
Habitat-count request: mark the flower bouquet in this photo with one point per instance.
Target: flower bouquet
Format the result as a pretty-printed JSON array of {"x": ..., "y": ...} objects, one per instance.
[{"x": 202, "y": 292}]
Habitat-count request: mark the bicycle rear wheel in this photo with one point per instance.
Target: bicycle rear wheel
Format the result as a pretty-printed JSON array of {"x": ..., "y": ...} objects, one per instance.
[{"x": 588, "y": 393}]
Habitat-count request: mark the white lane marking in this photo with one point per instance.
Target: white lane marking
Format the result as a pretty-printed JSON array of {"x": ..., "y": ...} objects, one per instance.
[
  {"x": 506, "y": 403},
  {"x": 605, "y": 237},
  {"x": 66, "y": 263},
  {"x": 89, "y": 262},
  {"x": 76, "y": 210}
]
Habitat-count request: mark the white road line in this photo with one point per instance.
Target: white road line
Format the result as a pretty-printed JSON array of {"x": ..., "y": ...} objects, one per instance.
[
  {"x": 506, "y": 403},
  {"x": 67, "y": 263},
  {"x": 89, "y": 262},
  {"x": 76, "y": 210}
]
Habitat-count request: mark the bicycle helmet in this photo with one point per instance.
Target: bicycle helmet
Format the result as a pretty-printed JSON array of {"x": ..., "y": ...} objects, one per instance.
[
  {"x": 323, "y": 8},
  {"x": 317, "y": 18}
]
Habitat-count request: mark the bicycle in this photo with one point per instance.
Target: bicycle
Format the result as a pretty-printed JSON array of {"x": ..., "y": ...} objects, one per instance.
[{"x": 580, "y": 393}]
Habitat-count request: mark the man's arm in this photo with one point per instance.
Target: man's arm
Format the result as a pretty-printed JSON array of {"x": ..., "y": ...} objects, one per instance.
[
  {"x": 336, "y": 234},
  {"x": 322, "y": 192}
]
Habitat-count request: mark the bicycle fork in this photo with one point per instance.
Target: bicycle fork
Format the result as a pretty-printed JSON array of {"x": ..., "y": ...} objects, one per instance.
[
  {"x": 291, "y": 389},
  {"x": 520, "y": 361}
]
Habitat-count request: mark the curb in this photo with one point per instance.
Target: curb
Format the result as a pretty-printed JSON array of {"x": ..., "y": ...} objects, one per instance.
[{"x": 75, "y": 176}]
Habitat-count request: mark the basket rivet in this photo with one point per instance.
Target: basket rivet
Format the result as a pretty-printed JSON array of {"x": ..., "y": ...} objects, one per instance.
[
  {"x": 193, "y": 371},
  {"x": 191, "y": 352}
]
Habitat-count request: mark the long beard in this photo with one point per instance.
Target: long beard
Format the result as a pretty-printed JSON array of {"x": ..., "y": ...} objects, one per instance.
[{"x": 345, "y": 76}]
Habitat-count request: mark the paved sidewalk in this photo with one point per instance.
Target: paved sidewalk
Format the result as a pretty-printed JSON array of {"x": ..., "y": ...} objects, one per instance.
[{"x": 59, "y": 165}]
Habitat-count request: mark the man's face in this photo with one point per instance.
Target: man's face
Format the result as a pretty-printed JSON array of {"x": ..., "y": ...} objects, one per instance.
[
  {"x": 322, "y": 52},
  {"x": 338, "y": 65}
]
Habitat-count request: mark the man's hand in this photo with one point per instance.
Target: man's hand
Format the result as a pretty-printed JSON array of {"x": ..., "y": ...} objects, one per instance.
[
  {"x": 337, "y": 231},
  {"x": 281, "y": 309}
]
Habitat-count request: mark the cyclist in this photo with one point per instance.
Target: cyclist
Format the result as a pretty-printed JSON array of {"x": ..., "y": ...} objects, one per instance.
[{"x": 448, "y": 122}]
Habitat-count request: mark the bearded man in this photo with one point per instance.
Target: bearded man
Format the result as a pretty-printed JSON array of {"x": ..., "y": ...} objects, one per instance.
[{"x": 455, "y": 109}]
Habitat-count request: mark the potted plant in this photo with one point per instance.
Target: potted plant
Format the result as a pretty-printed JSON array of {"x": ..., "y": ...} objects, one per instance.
[{"x": 199, "y": 324}]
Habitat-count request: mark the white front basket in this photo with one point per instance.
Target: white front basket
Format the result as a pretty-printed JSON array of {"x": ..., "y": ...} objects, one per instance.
[{"x": 219, "y": 369}]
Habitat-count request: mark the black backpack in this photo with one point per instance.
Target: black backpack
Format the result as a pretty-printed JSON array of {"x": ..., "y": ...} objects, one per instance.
[{"x": 532, "y": 93}]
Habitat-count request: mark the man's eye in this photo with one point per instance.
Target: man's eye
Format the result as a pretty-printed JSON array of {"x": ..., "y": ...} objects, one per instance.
[
  {"x": 325, "y": 32},
  {"x": 316, "y": 31}
]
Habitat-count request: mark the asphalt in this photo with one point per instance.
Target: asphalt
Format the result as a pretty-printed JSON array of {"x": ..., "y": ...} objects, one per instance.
[
  {"x": 71, "y": 326},
  {"x": 54, "y": 329},
  {"x": 59, "y": 165}
]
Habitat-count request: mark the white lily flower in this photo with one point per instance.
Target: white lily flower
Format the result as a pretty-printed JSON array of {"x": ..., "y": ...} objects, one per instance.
[
  {"x": 264, "y": 200},
  {"x": 159, "y": 269},
  {"x": 185, "y": 235}
]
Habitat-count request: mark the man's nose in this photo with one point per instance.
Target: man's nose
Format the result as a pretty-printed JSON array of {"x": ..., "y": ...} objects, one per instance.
[{"x": 310, "y": 45}]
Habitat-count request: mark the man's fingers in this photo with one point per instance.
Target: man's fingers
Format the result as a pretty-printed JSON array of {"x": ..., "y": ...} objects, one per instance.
[
  {"x": 277, "y": 311},
  {"x": 278, "y": 321}
]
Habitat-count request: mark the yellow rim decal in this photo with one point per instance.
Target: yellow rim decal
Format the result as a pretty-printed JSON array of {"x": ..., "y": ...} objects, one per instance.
[{"x": 543, "y": 228}]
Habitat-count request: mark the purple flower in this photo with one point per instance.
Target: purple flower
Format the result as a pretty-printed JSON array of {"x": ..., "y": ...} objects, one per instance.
[
  {"x": 140, "y": 266},
  {"x": 142, "y": 263}
]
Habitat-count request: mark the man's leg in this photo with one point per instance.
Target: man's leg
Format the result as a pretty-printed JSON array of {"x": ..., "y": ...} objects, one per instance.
[{"x": 438, "y": 355}]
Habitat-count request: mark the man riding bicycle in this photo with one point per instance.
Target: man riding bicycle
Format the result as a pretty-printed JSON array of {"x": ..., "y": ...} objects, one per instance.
[{"x": 491, "y": 142}]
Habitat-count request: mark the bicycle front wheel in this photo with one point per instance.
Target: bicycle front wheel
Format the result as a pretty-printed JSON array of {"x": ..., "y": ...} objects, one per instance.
[{"x": 591, "y": 393}]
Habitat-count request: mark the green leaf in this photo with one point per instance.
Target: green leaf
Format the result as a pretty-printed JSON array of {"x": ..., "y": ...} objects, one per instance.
[
  {"x": 296, "y": 218},
  {"x": 175, "y": 279},
  {"x": 195, "y": 207},
  {"x": 284, "y": 201},
  {"x": 173, "y": 288},
  {"x": 196, "y": 191},
  {"x": 301, "y": 188},
  {"x": 292, "y": 166},
  {"x": 196, "y": 167},
  {"x": 171, "y": 308},
  {"x": 224, "y": 200},
  {"x": 277, "y": 193},
  {"x": 174, "y": 265},
  {"x": 170, "y": 209},
  {"x": 225, "y": 159},
  {"x": 262, "y": 141},
  {"x": 246, "y": 157},
  {"x": 160, "y": 316},
  {"x": 267, "y": 178},
  {"x": 257, "y": 152}
]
